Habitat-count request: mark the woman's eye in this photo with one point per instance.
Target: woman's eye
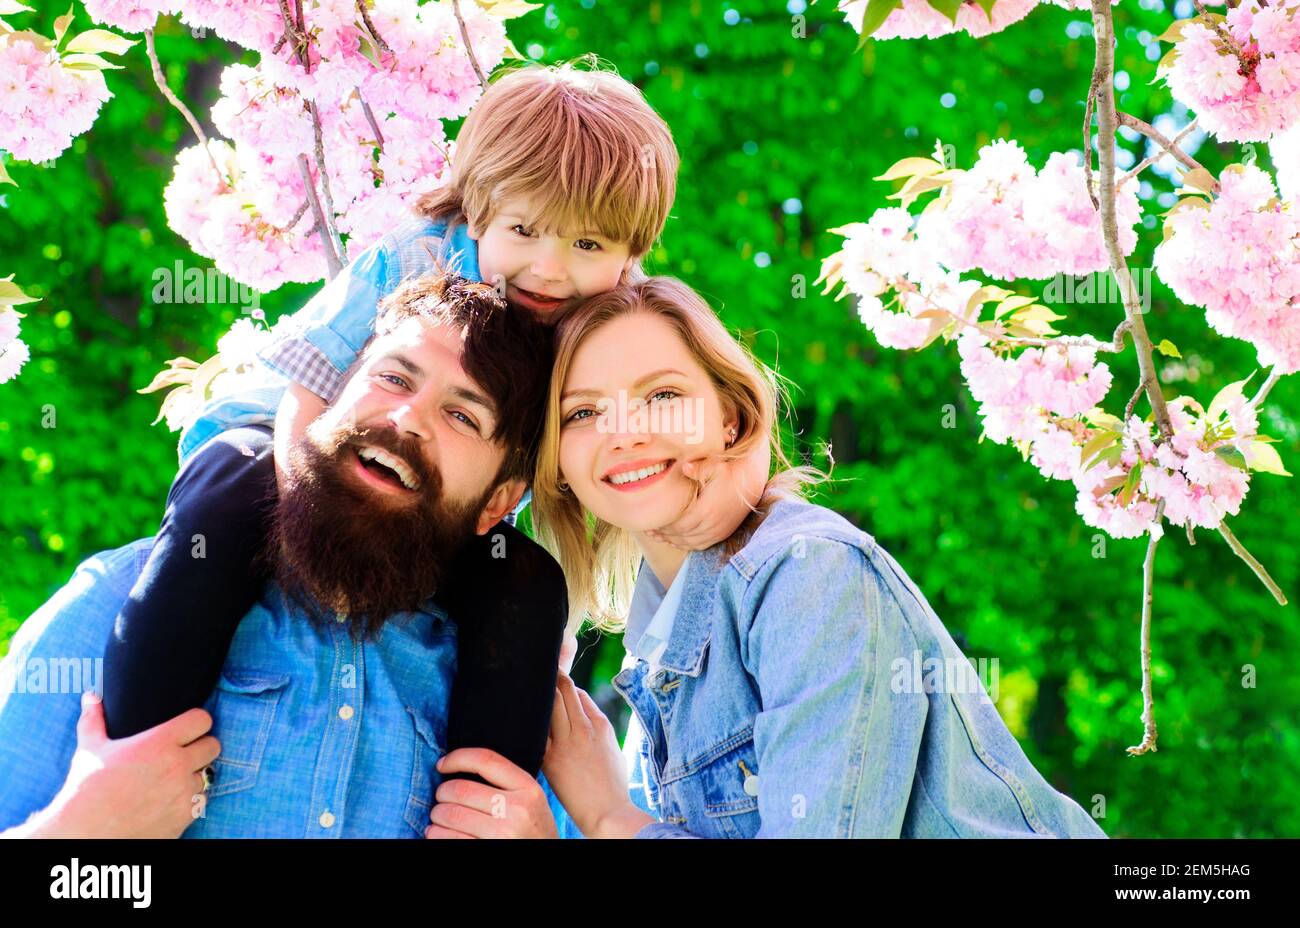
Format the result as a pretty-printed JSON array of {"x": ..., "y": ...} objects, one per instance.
[
  {"x": 576, "y": 415},
  {"x": 668, "y": 393}
]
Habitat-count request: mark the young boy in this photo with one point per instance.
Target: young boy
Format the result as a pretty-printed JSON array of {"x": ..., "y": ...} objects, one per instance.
[{"x": 561, "y": 181}]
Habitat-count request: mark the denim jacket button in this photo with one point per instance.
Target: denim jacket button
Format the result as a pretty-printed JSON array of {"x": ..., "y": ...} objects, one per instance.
[{"x": 751, "y": 784}]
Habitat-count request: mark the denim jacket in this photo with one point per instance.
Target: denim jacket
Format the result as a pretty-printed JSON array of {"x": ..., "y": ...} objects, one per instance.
[{"x": 790, "y": 703}]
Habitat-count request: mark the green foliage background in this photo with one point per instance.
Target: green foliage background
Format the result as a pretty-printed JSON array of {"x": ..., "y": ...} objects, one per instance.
[{"x": 762, "y": 115}]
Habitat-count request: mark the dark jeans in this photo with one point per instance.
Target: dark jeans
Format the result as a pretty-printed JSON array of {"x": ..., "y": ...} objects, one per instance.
[{"x": 203, "y": 575}]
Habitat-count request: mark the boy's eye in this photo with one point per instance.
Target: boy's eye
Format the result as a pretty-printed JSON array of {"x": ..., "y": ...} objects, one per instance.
[
  {"x": 583, "y": 242},
  {"x": 518, "y": 228}
]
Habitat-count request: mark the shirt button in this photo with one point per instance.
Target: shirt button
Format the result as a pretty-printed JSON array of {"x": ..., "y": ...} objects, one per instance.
[
  {"x": 345, "y": 712},
  {"x": 326, "y": 819},
  {"x": 340, "y": 616},
  {"x": 751, "y": 784}
]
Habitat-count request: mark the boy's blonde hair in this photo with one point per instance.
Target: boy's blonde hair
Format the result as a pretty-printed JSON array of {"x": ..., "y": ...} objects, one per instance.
[
  {"x": 583, "y": 145},
  {"x": 600, "y": 560}
]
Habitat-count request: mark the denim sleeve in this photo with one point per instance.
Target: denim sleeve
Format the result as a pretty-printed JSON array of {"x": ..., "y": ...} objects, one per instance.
[
  {"x": 836, "y": 747},
  {"x": 55, "y": 655},
  {"x": 327, "y": 334}
]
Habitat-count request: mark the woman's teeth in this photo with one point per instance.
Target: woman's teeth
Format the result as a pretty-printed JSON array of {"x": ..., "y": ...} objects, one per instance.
[
  {"x": 395, "y": 464},
  {"x": 630, "y": 476}
]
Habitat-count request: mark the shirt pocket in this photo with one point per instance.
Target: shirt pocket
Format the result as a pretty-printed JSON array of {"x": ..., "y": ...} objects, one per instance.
[
  {"x": 242, "y": 716},
  {"x": 425, "y": 778},
  {"x": 717, "y": 790}
]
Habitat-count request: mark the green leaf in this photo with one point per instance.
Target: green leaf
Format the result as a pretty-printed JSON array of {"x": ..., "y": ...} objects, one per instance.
[
  {"x": 987, "y": 7},
  {"x": 61, "y": 25},
  {"x": 1097, "y": 443},
  {"x": 4, "y": 176},
  {"x": 82, "y": 62},
  {"x": 1168, "y": 348},
  {"x": 1130, "y": 485},
  {"x": 97, "y": 41},
  {"x": 1263, "y": 457},
  {"x": 877, "y": 12},
  {"x": 1230, "y": 455},
  {"x": 12, "y": 295},
  {"x": 1225, "y": 397},
  {"x": 1200, "y": 179},
  {"x": 948, "y": 8},
  {"x": 911, "y": 167}
]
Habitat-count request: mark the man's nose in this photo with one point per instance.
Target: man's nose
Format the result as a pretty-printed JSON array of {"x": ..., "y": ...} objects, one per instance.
[{"x": 407, "y": 419}]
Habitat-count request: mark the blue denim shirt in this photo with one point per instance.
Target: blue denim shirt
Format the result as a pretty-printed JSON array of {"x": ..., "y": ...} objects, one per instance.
[
  {"x": 788, "y": 704},
  {"x": 321, "y": 737}
]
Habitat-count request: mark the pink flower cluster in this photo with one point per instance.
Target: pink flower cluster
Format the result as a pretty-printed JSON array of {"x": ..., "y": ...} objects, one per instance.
[
  {"x": 882, "y": 256},
  {"x": 1246, "y": 93},
  {"x": 43, "y": 105},
  {"x": 1006, "y": 219},
  {"x": 423, "y": 77},
  {"x": 917, "y": 19},
  {"x": 129, "y": 15},
  {"x": 1239, "y": 257},
  {"x": 13, "y": 350},
  {"x": 1199, "y": 487}
]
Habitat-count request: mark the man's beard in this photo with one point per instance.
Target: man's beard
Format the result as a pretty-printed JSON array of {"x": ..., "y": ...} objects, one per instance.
[{"x": 340, "y": 547}]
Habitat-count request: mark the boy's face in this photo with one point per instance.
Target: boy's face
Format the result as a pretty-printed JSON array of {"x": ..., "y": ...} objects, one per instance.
[{"x": 545, "y": 272}]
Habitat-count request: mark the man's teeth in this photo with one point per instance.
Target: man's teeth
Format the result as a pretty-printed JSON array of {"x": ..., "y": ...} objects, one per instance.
[
  {"x": 628, "y": 476},
  {"x": 396, "y": 465}
]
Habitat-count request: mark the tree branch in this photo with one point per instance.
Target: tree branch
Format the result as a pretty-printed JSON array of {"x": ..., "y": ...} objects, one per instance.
[
  {"x": 469, "y": 49},
  {"x": 161, "y": 81},
  {"x": 1147, "y": 162},
  {"x": 1240, "y": 550},
  {"x": 374, "y": 33},
  {"x": 1156, "y": 136},
  {"x": 331, "y": 259},
  {"x": 1148, "y": 590},
  {"x": 1273, "y": 378}
]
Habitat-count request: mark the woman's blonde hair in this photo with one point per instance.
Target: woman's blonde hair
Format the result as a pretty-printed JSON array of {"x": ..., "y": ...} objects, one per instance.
[
  {"x": 581, "y": 143},
  {"x": 600, "y": 560}
]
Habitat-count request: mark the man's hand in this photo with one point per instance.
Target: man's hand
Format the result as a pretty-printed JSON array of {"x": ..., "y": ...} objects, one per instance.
[
  {"x": 727, "y": 493},
  {"x": 514, "y": 806},
  {"x": 145, "y": 786},
  {"x": 585, "y": 767}
]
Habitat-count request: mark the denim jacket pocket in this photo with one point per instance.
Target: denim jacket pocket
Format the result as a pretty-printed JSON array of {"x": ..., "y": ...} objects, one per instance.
[
  {"x": 721, "y": 783},
  {"x": 996, "y": 767},
  {"x": 241, "y": 720},
  {"x": 425, "y": 779}
]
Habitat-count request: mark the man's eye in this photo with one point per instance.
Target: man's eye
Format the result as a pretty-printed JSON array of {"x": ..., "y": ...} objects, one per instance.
[
  {"x": 394, "y": 380},
  {"x": 466, "y": 419}
]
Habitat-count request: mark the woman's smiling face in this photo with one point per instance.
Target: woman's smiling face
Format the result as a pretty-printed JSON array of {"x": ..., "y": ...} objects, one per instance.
[{"x": 635, "y": 405}]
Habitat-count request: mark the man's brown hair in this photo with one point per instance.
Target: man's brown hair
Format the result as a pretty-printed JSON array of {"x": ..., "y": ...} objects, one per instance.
[{"x": 507, "y": 352}]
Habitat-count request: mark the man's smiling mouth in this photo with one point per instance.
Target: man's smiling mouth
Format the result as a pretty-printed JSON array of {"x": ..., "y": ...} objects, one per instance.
[{"x": 388, "y": 467}]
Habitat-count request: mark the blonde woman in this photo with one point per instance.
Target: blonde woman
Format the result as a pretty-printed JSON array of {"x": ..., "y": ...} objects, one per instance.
[{"x": 776, "y": 679}]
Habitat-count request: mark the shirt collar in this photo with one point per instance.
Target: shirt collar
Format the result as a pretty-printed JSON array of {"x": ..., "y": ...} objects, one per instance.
[{"x": 693, "y": 621}]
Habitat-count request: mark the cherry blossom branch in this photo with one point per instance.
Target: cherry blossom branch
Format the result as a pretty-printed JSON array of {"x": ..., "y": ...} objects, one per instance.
[
  {"x": 374, "y": 33},
  {"x": 1158, "y": 137},
  {"x": 331, "y": 259},
  {"x": 370, "y": 117},
  {"x": 1087, "y": 137},
  {"x": 161, "y": 81},
  {"x": 1218, "y": 28},
  {"x": 469, "y": 48},
  {"x": 1107, "y": 123},
  {"x": 1240, "y": 550},
  {"x": 1147, "y": 162},
  {"x": 1148, "y": 591},
  {"x": 1264, "y": 389}
]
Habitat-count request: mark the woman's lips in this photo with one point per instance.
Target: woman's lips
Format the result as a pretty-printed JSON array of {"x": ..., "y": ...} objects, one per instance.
[{"x": 641, "y": 484}]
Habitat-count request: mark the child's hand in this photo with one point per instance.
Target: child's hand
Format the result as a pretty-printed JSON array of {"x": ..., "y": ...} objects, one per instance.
[
  {"x": 514, "y": 806},
  {"x": 728, "y": 493}
]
